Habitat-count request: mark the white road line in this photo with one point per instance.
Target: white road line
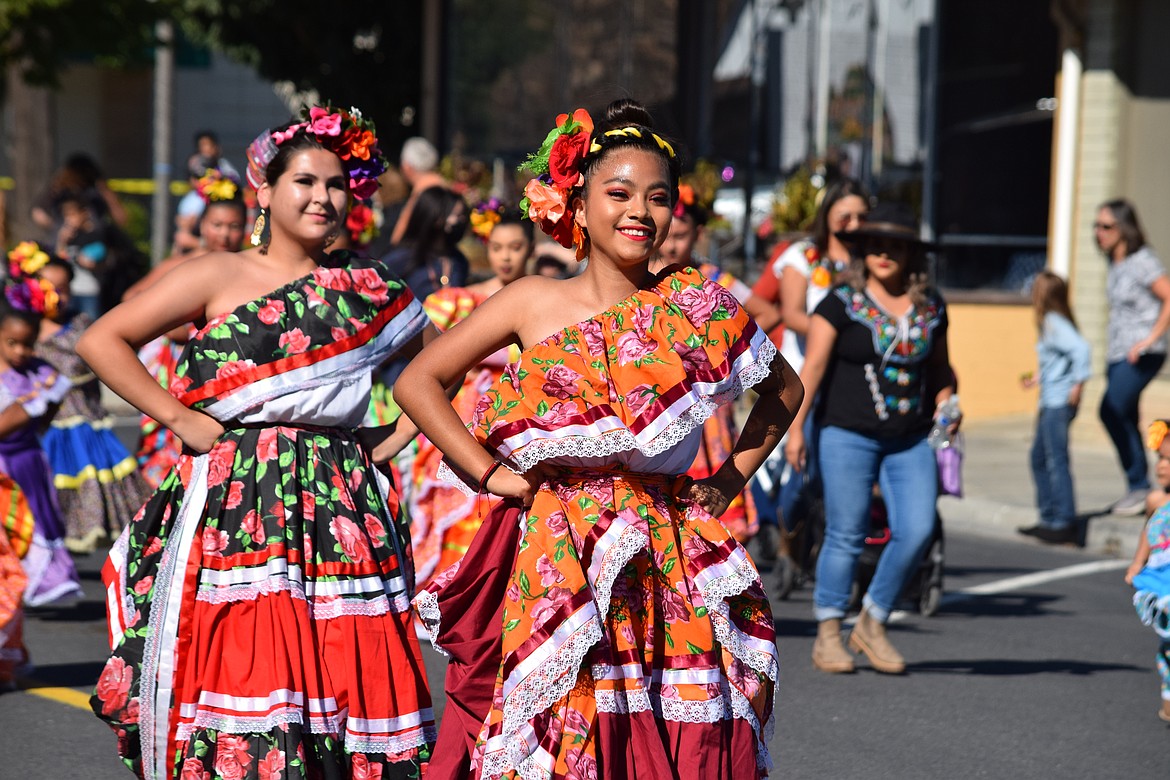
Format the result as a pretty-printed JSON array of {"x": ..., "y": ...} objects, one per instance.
[
  {"x": 1019, "y": 583},
  {"x": 1034, "y": 579}
]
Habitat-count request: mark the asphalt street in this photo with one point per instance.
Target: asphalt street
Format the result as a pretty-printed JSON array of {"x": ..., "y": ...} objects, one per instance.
[{"x": 1029, "y": 669}]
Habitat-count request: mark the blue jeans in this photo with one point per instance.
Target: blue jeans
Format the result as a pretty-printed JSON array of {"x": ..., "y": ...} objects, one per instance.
[
  {"x": 87, "y": 304},
  {"x": 788, "y": 484},
  {"x": 906, "y": 470},
  {"x": 1050, "y": 468},
  {"x": 1119, "y": 414}
]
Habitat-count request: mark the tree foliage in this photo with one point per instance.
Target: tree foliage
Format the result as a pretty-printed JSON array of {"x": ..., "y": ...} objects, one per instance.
[
  {"x": 361, "y": 52},
  {"x": 41, "y": 36}
]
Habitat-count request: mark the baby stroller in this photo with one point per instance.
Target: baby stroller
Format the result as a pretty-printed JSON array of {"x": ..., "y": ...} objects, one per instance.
[{"x": 800, "y": 547}]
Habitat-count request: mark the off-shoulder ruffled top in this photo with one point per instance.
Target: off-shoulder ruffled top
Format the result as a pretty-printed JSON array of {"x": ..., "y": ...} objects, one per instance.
[{"x": 630, "y": 387}]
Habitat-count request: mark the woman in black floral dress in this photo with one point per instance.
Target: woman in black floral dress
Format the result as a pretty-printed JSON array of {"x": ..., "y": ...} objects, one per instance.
[{"x": 258, "y": 604}]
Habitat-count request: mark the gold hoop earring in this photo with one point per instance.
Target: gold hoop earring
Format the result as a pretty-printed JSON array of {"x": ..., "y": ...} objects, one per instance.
[{"x": 258, "y": 230}]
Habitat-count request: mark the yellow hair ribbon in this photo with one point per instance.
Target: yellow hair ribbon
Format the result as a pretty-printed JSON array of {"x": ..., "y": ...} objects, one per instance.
[{"x": 637, "y": 133}]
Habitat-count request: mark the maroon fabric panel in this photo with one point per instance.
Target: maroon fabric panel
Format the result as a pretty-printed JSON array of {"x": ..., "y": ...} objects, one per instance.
[
  {"x": 472, "y": 605},
  {"x": 639, "y": 745}
]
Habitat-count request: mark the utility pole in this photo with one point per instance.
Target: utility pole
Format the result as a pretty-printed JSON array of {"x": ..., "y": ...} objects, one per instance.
[{"x": 160, "y": 204}]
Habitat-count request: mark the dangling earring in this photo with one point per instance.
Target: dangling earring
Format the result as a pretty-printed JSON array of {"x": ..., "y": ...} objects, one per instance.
[{"x": 258, "y": 230}]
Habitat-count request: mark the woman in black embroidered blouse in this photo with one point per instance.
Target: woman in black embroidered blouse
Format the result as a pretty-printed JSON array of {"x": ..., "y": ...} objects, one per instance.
[{"x": 877, "y": 351}]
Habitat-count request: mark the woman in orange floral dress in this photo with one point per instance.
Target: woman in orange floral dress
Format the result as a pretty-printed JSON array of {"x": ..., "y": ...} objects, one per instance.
[
  {"x": 444, "y": 519},
  {"x": 632, "y": 635}
]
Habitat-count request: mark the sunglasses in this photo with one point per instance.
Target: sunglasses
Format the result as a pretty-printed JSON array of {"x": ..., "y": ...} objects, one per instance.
[{"x": 1104, "y": 226}]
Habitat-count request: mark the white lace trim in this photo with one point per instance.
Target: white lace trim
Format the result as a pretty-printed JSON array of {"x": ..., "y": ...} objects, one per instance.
[
  {"x": 676, "y": 710},
  {"x": 426, "y": 604},
  {"x": 319, "y": 608},
  {"x": 624, "y": 440},
  {"x": 553, "y": 679},
  {"x": 396, "y": 744},
  {"x": 546, "y": 685},
  {"x": 621, "y": 440},
  {"x": 718, "y": 591},
  {"x": 447, "y": 475},
  {"x": 317, "y": 724}
]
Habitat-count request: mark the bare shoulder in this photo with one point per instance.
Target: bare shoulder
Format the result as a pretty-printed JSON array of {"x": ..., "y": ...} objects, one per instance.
[{"x": 1155, "y": 499}]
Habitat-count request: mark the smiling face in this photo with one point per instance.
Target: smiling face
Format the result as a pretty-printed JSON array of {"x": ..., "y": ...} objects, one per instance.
[
  {"x": 680, "y": 241},
  {"x": 18, "y": 341},
  {"x": 308, "y": 202},
  {"x": 625, "y": 208},
  {"x": 508, "y": 251},
  {"x": 222, "y": 227},
  {"x": 887, "y": 259}
]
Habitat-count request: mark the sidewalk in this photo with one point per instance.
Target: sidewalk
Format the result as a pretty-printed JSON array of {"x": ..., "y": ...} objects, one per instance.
[{"x": 999, "y": 496}]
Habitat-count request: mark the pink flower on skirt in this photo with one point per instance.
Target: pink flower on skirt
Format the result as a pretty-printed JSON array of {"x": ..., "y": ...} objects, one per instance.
[
  {"x": 266, "y": 445},
  {"x": 231, "y": 757},
  {"x": 376, "y": 529},
  {"x": 351, "y": 539},
  {"x": 143, "y": 586},
  {"x": 113, "y": 687},
  {"x": 235, "y": 495},
  {"x": 557, "y": 523},
  {"x": 271, "y": 765},
  {"x": 547, "y": 570},
  {"x": 254, "y": 527},
  {"x": 364, "y": 769},
  {"x": 214, "y": 541},
  {"x": 193, "y": 770},
  {"x": 671, "y": 605},
  {"x": 560, "y": 381}
]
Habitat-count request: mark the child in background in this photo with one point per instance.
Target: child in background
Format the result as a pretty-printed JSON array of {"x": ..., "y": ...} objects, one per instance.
[
  {"x": 99, "y": 487},
  {"x": 1064, "y": 366},
  {"x": 30, "y": 391},
  {"x": 82, "y": 241},
  {"x": 1149, "y": 573}
]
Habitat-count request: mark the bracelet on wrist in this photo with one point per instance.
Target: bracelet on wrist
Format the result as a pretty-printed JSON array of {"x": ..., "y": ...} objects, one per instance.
[{"x": 488, "y": 475}]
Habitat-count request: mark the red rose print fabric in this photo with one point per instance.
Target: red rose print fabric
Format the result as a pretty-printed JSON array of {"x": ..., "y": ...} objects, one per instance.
[
  {"x": 634, "y": 626},
  {"x": 259, "y": 601}
]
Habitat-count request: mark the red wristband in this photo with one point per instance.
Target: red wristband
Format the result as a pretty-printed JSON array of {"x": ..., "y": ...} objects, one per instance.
[{"x": 488, "y": 475}]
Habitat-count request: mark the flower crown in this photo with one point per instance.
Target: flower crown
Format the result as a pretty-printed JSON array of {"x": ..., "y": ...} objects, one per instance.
[
  {"x": 485, "y": 216},
  {"x": 347, "y": 134},
  {"x": 217, "y": 187},
  {"x": 557, "y": 166},
  {"x": 24, "y": 290},
  {"x": 1157, "y": 433}
]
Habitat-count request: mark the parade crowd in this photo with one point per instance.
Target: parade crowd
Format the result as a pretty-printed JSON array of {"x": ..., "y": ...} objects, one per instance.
[{"x": 503, "y": 422}]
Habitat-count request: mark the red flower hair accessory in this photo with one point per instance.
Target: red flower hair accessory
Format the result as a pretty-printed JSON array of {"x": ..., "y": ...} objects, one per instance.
[
  {"x": 347, "y": 134},
  {"x": 557, "y": 168}
]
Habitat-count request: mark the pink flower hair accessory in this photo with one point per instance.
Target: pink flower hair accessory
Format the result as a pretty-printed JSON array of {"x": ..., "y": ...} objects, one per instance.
[{"x": 346, "y": 133}]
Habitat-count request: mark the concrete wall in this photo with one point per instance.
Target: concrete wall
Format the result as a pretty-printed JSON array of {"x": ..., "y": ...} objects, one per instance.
[{"x": 991, "y": 346}]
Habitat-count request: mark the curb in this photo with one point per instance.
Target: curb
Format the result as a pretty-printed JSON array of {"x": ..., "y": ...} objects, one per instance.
[{"x": 1107, "y": 535}]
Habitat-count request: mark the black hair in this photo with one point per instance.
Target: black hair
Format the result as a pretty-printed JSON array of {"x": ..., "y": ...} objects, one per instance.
[
  {"x": 836, "y": 192},
  {"x": 199, "y": 136},
  {"x": 1127, "y": 223},
  {"x": 285, "y": 152},
  {"x": 694, "y": 212},
  {"x": 511, "y": 216},
  {"x": 236, "y": 204},
  {"x": 10, "y": 312},
  {"x": 62, "y": 263},
  {"x": 627, "y": 112},
  {"x": 428, "y": 224},
  {"x": 84, "y": 166}
]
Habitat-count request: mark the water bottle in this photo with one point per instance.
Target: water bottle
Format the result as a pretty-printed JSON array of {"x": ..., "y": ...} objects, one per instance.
[{"x": 948, "y": 412}]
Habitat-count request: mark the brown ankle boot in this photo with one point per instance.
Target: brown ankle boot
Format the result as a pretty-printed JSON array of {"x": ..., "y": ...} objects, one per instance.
[
  {"x": 829, "y": 653},
  {"x": 869, "y": 637}
]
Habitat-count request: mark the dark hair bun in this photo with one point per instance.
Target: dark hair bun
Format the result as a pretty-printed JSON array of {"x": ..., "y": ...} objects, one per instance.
[{"x": 624, "y": 112}]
